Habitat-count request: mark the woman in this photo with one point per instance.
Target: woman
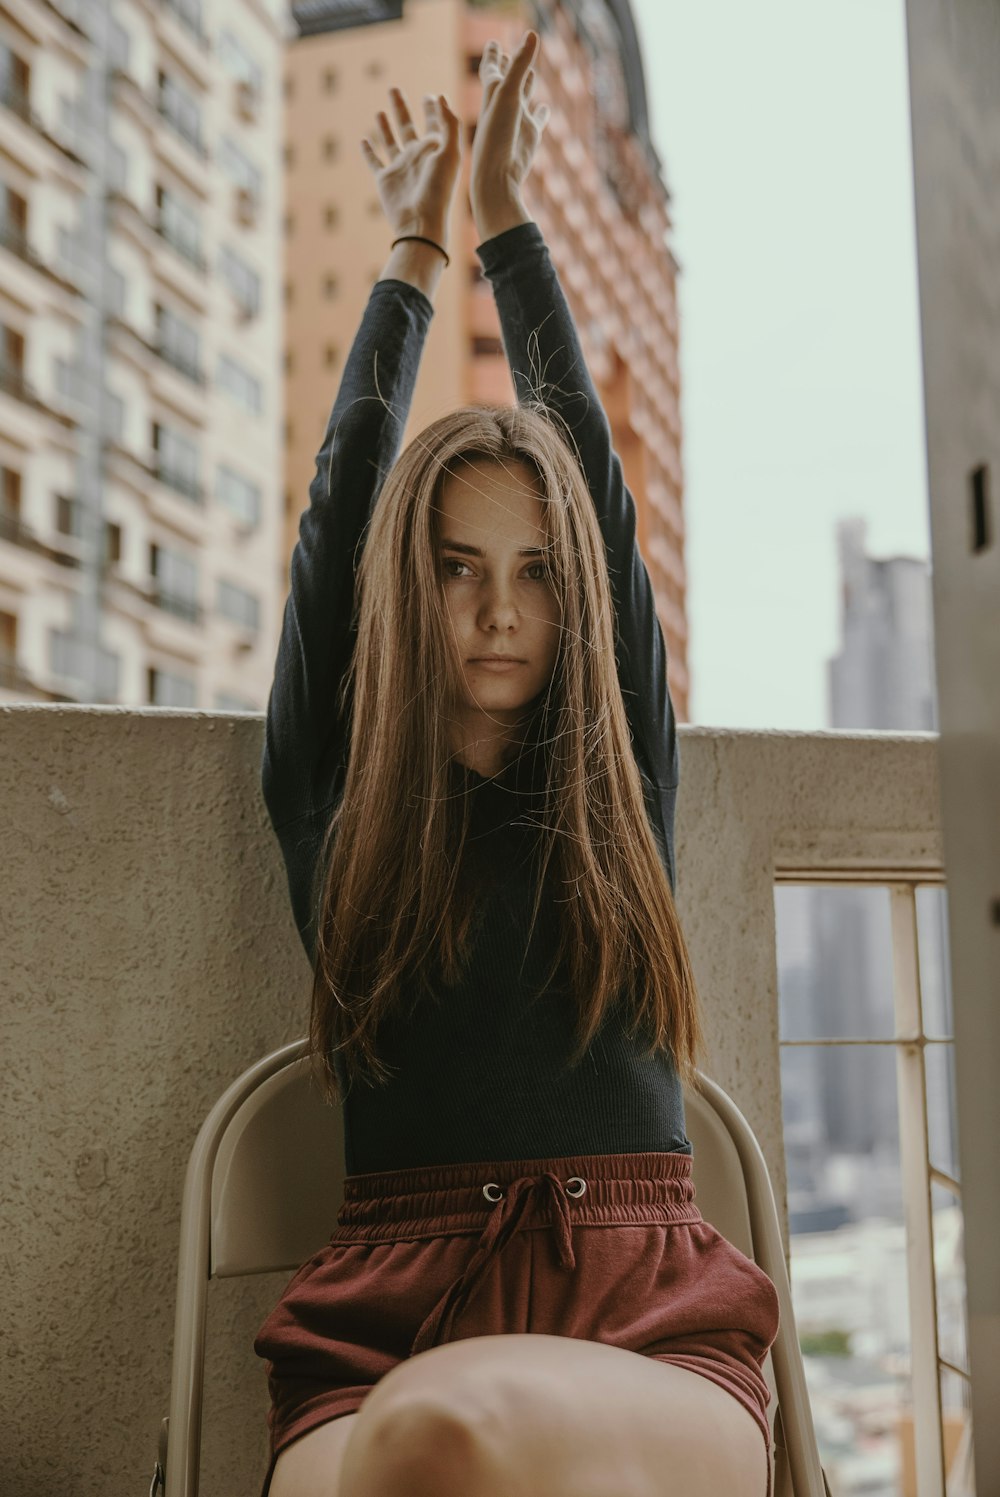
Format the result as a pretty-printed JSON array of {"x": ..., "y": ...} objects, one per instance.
[{"x": 471, "y": 766}]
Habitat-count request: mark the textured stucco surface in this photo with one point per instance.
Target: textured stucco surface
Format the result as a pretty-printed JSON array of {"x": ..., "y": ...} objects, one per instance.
[{"x": 149, "y": 956}]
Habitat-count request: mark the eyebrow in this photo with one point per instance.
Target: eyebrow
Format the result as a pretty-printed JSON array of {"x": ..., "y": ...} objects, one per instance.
[{"x": 475, "y": 550}]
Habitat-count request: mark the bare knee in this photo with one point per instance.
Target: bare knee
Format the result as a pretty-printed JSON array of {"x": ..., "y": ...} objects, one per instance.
[{"x": 422, "y": 1448}]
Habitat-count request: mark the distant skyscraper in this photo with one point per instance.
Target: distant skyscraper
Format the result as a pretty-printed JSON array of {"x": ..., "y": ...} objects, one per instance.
[{"x": 883, "y": 676}]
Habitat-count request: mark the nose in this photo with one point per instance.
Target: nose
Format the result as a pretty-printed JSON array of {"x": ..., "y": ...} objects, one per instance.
[{"x": 499, "y": 610}]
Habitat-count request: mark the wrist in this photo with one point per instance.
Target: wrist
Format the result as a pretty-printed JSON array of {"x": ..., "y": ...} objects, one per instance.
[
  {"x": 418, "y": 264},
  {"x": 495, "y": 217}
]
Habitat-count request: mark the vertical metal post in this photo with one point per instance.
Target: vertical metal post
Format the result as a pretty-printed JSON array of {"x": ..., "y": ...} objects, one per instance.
[{"x": 911, "y": 1092}]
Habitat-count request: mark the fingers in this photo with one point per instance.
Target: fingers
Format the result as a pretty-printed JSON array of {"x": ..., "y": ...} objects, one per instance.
[
  {"x": 517, "y": 73},
  {"x": 391, "y": 137},
  {"x": 406, "y": 128}
]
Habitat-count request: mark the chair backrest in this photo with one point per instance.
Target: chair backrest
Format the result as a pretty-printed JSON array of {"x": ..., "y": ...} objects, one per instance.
[{"x": 264, "y": 1188}]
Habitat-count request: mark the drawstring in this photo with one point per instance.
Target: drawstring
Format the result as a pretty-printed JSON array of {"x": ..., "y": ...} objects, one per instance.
[{"x": 508, "y": 1209}]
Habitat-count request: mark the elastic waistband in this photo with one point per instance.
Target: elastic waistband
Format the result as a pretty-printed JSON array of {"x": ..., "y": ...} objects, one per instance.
[{"x": 442, "y": 1200}]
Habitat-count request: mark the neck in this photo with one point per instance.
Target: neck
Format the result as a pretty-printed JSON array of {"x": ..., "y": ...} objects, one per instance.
[{"x": 486, "y": 746}]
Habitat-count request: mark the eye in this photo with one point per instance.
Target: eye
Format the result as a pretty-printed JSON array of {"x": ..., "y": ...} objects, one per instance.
[
  {"x": 454, "y": 561},
  {"x": 538, "y": 571}
]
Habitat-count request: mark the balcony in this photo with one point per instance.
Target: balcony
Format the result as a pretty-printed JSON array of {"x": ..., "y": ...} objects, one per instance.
[{"x": 176, "y": 932}]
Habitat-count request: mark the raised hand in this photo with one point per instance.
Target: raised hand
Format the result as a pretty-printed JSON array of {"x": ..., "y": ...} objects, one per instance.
[
  {"x": 416, "y": 174},
  {"x": 508, "y": 130}
]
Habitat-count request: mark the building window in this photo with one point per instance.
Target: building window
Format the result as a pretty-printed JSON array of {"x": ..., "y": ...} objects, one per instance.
[
  {"x": 175, "y": 582},
  {"x": 165, "y": 689},
  {"x": 189, "y": 12},
  {"x": 238, "y": 62},
  {"x": 242, "y": 280},
  {"x": 180, "y": 225},
  {"x": 240, "y": 384},
  {"x": 112, "y": 541},
  {"x": 69, "y": 516},
  {"x": 74, "y": 659},
  {"x": 179, "y": 107},
  {"x": 237, "y": 604},
  {"x": 10, "y": 493},
  {"x": 14, "y": 220},
  {"x": 117, "y": 168},
  {"x": 117, "y": 287},
  {"x": 241, "y": 497},
  {"x": 119, "y": 45},
  {"x": 15, "y": 83},
  {"x": 487, "y": 347},
  {"x": 237, "y": 166},
  {"x": 178, "y": 343},
  {"x": 114, "y": 408},
  {"x": 177, "y": 461}
]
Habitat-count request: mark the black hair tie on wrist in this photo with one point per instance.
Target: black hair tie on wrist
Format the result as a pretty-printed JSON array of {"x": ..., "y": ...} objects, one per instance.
[{"x": 422, "y": 239}]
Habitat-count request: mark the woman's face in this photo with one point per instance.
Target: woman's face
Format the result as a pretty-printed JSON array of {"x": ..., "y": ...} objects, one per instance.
[{"x": 492, "y": 556}]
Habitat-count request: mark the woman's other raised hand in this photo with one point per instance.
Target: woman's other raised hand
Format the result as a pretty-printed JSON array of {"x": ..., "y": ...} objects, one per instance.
[
  {"x": 508, "y": 130},
  {"x": 416, "y": 174}
]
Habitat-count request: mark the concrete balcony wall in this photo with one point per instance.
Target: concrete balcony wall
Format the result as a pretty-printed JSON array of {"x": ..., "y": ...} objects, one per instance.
[{"x": 150, "y": 956}]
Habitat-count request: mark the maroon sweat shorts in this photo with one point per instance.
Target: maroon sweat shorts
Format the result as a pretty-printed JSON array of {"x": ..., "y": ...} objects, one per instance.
[{"x": 602, "y": 1247}]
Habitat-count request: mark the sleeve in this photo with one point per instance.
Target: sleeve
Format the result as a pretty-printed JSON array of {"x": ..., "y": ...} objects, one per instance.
[
  {"x": 547, "y": 364},
  {"x": 305, "y": 735}
]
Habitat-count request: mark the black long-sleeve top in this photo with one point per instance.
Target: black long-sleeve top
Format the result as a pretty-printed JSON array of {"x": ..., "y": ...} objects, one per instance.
[{"x": 479, "y": 1073}]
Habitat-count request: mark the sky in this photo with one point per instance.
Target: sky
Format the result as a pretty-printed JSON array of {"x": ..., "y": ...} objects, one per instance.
[{"x": 783, "y": 129}]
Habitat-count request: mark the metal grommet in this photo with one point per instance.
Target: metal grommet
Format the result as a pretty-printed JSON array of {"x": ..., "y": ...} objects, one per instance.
[
  {"x": 492, "y": 1186},
  {"x": 575, "y": 1180}
]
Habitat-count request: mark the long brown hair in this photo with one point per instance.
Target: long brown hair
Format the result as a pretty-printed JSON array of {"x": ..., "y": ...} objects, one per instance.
[{"x": 391, "y": 904}]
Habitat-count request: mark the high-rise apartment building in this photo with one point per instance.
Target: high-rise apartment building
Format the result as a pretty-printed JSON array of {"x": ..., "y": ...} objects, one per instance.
[
  {"x": 140, "y": 350},
  {"x": 596, "y": 190}
]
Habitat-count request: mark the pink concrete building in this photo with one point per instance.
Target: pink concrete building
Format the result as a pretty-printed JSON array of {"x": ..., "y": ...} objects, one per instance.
[{"x": 597, "y": 192}]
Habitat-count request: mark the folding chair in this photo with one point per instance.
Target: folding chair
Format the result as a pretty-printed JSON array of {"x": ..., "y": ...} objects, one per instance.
[{"x": 264, "y": 1184}]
